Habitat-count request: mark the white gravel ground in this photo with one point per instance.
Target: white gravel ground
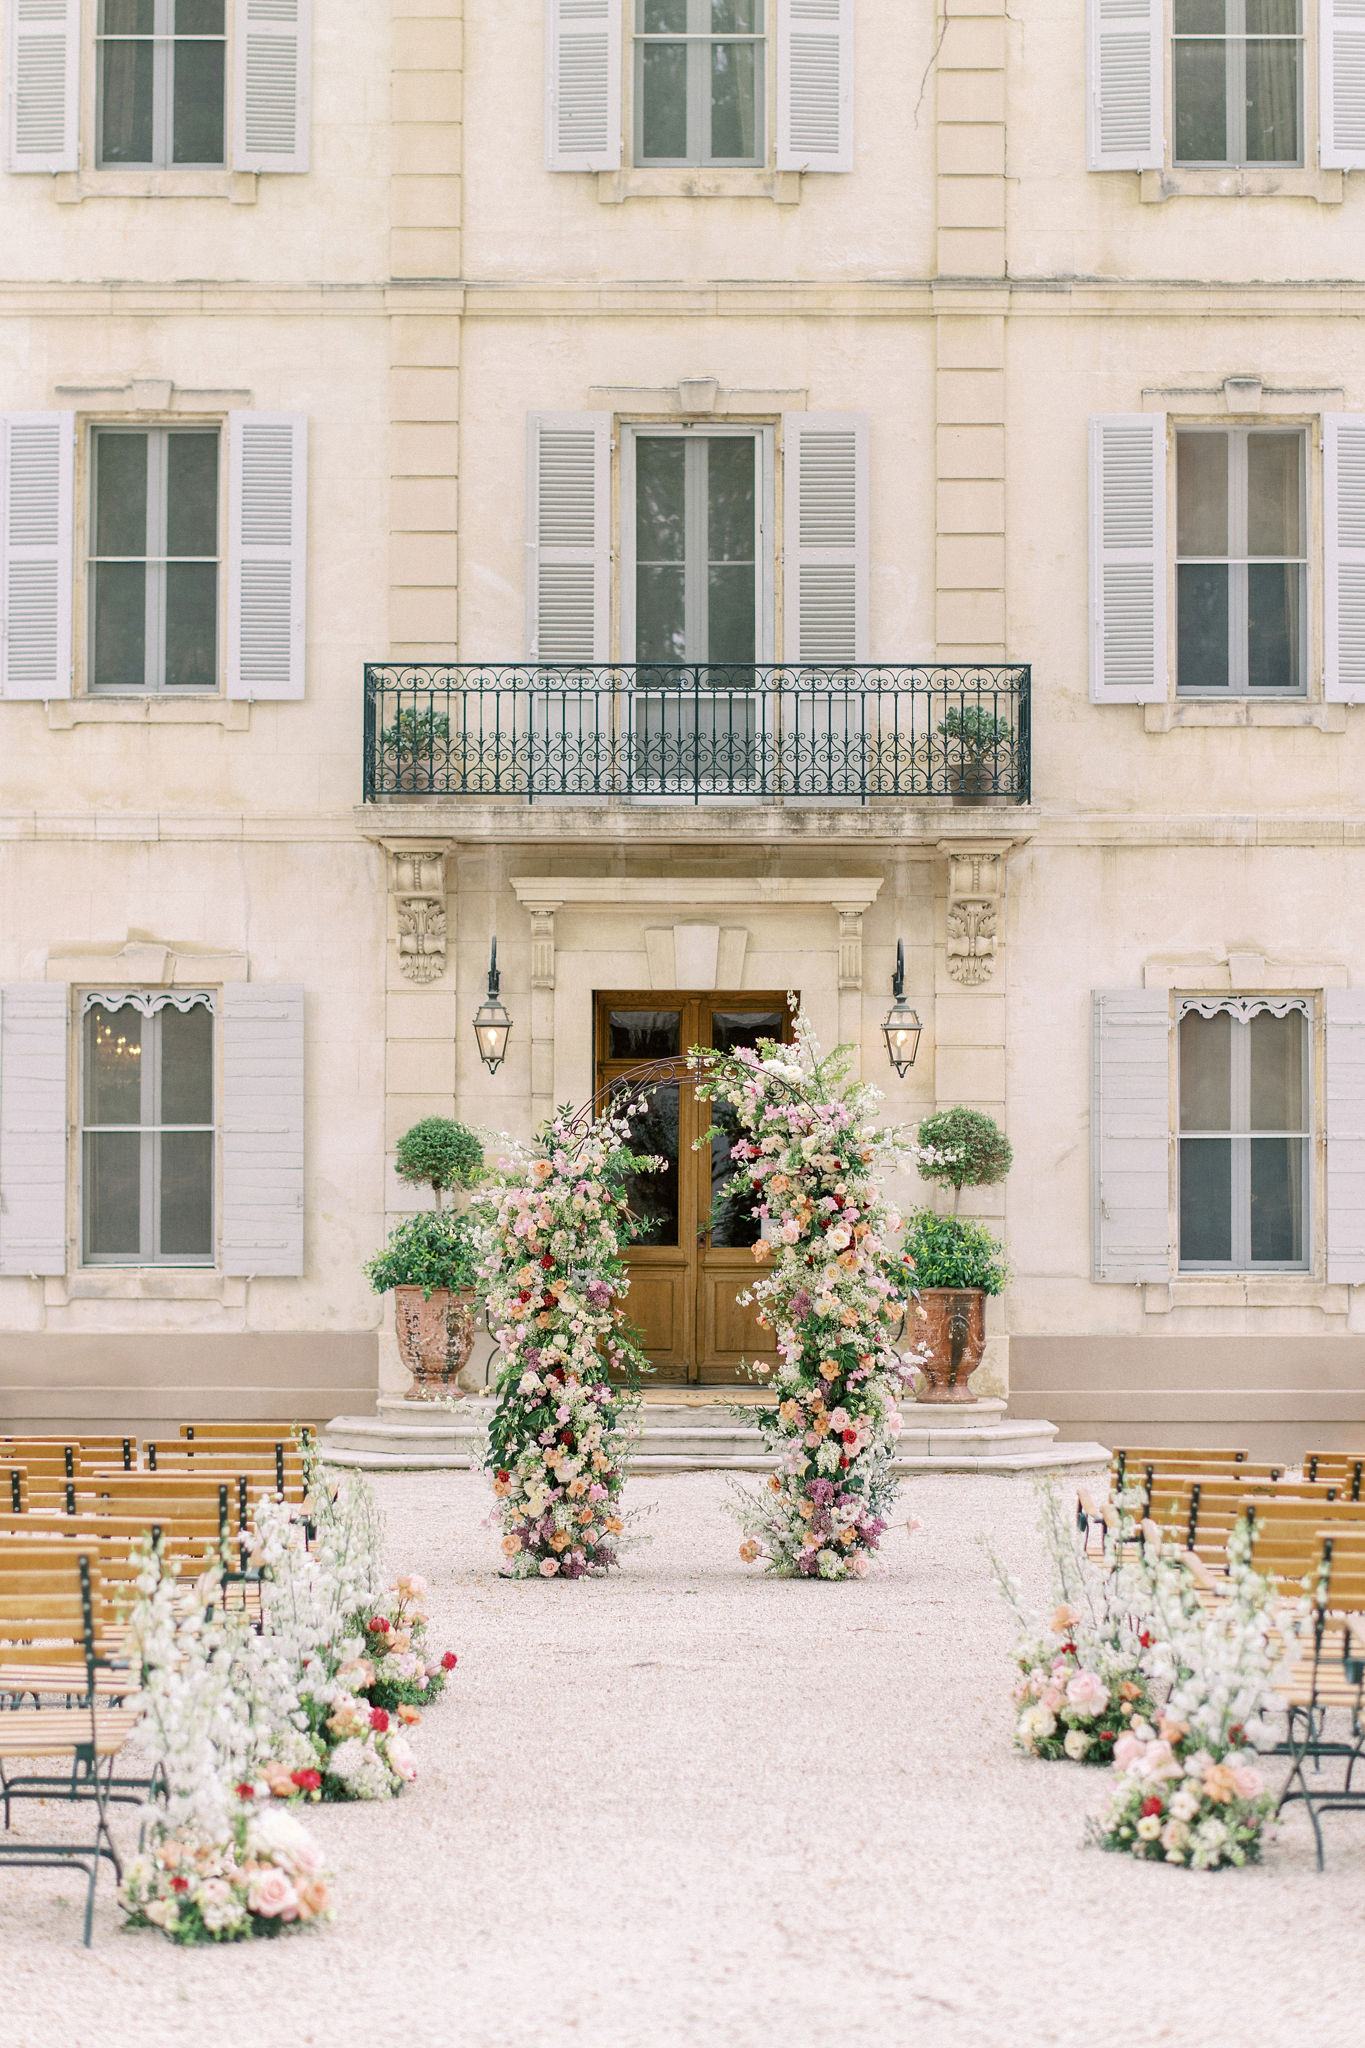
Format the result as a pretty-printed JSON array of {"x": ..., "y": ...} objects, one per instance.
[{"x": 695, "y": 1806}]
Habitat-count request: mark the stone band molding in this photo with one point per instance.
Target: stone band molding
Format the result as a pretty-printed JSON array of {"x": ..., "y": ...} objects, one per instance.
[
  {"x": 417, "y": 882},
  {"x": 841, "y": 892},
  {"x": 976, "y": 895}
]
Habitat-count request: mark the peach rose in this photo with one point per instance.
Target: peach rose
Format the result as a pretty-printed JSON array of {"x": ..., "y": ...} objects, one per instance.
[{"x": 273, "y": 1896}]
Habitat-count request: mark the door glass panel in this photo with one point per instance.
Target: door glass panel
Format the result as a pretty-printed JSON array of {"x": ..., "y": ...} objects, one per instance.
[
  {"x": 733, "y": 1224},
  {"x": 660, "y": 573},
  {"x": 731, "y": 507},
  {"x": 643, "y": 1034},
  {"x": 732, "y": 1028},
  {"x": 1206, "y": 1201},
  {"x": 1205, "y": 1072},
  {"x": 1277, "y": 1090},
  {"x": 653, "y": 1197}
]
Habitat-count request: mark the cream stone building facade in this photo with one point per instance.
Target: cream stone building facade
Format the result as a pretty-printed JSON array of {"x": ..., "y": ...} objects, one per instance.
[{"x": 700, "y": 492}]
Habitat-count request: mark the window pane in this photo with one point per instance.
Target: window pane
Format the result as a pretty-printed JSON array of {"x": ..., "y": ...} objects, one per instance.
[
  {"x": 128, "y": 17},
  {"x": 199, "y": 17},
  {"x": 735, "y": 17},
  {"x": 643, "y": 1034},
  {"x": 1278, "y": 1046},
  {"x": 192, "y": 494},
  {"x": 663, "y": 17},
  {"x": 186, "y": 1065},
  {"x": 1272, "y": 114},
  {"x": 734, "y": 100},
  {"x": 121, "y": 494},
  {"x": 191, "y": 626},
  {"x": 1201, "y": 113},
  {"x": 1206, "y": 1200},
  {"x": 197, "y": 135},
  {"x": 126, "y": 103},
  {"x": 660, "y": 589},
  {"x": 1199, "y": 17},
  {"x": 1273, "y": 637},
  {"x": 1277, "y": 1166},
  {"x": 1274, "y": 473},
  {"x": 730, "y": 616},
  {"x": 120, "y": 626},
  {"x": 733, "y": 1028},
  {"x": 112, "y": 1186},
  {"x": 653, "y": 1197},
  {"x": 663, "y": 101},
  {"x": 730, "y": 495},
  {"x": 1201, "y": 494},
  {"x": 1205, "y": 1072},
  {"x": 113, "y": 1066},
  {"x": 733, "y": 1224},
  {"x": 187, "y": 1194},
  {"x": 1272, "y": 17},
  {"x": 1201, "y": 626}
]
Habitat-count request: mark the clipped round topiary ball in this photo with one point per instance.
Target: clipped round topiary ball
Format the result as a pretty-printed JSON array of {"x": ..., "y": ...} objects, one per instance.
[
  {"x": 441, "y": 1154},
  {"x": 976, "y": 1150}
]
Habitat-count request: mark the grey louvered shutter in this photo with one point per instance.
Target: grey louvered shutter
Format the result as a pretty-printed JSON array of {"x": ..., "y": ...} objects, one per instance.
[
  {"x": 1344, "y": 1011},
  {"x": 1128, "y": 558},
  {"x": 1130, "y": 1135},
  {"x": 37, "y": 525},
  {"x": 568, "y": 514},
  {"x": 825, "y": 539},
  {"x": 34, "y": 1031},
  {"x": 1125, "y": 51},
  {"x": 1343, "y": 507},
  {"x": 267, "y": 553},
  {"x": 1341, "y": 85},
  {"x": 583, "y": 85},
  {"x": 815, "y": 85},
  {"x": 272, "y": 84},
  {"x": 42, "y": 84},
  {"x": 261, "y": 1060}
]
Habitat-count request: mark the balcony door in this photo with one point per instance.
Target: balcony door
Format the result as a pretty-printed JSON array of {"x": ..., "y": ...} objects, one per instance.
[
  {"x": 698, "y": 607},
  {"x": 687, "y": 1275}
]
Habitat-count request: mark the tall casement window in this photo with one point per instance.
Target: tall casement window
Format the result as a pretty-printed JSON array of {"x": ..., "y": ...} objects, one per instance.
[
  {"x": 697, "y": 503},
  {"x": 1241, "y": 551},
  {"x": 154, "y": 560},
  {"x": 1245, "y": 1125},
  {"x": 1236, "y": 68},
  {"x": 699, "y": 82},
  {"x": 147, "y": 1130},
  {"x": 162, "y": 82}
]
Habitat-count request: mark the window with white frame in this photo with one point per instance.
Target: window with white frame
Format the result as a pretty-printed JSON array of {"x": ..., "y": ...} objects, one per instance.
[
  {"x": 162, "y": 82},
  {"x": 1244, "y": 1134},
  {"x": 153, "y": 605},
  {"x": 1241, "y": 561},
  {"x": 1237, "y": 84},
  {"x": 147, "y": 1129},
  {"x": 699, "y": 81}
]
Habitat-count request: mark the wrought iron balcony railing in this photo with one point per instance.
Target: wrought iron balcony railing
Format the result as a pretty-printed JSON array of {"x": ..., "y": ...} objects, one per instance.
[{"x": 693, "y": 732}]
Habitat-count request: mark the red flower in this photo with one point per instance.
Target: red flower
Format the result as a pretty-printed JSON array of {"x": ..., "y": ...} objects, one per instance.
[
  {"x": 504, "y": 1475},
  {"x": 843, "y": 1464},
  {"x": 1067, "y": 1650},
  {"x": 379, "y": 1720},
  {"x": 180, "y": 1884},
  {"x": 1107, "y": 1735},
  {"x": 307, "y": 1781},
  {"x": 1145, "y": 1640},
  {"x": 1151, "y": 1805},
  {"x": 566, "y": 1438},
  {"x": 246, "y": 1791},
  {"x": 850, "y": 1436},
  {"x": 449, "y": 1661},
  {"x": 378, "y": 1625},
  {"x": 548, "y": 1263}
]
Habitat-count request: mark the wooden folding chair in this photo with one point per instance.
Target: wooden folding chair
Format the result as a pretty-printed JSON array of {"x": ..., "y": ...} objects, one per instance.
[
  {"x": 1343, "y": 1469},
  {"x": 1329, "y": 1680},
  {"x": 47, "y": 1602}
]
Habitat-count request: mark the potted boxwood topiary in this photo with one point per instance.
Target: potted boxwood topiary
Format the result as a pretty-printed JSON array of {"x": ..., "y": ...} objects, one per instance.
[
  {"x": 429, "y": 1259},
  {"x": 978, "y": 750},
  {"x": 956, "y": 1261}
]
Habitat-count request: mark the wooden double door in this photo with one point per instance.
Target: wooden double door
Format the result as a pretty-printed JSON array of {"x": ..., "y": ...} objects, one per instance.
[{"x": 697, "y": 1258}]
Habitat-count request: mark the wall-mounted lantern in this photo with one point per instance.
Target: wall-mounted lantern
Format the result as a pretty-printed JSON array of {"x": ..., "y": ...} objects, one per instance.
[
  {"x": 492, "y": 1025},
  {"x": 902, "y": 1026}
]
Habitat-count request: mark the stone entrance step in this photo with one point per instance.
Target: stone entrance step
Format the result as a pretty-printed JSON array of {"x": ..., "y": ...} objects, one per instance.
[{"x": 708, "y": 1435}]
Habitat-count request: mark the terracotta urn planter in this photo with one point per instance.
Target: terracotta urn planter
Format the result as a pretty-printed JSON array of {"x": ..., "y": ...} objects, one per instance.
[
  {"x": 435, "y": 1339},
  {"x": 954, "y": 1335}
]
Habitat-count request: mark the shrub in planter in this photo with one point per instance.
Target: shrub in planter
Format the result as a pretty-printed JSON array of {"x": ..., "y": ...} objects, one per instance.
[
  {"x": 440, "y": 1154},
  {"x": 978, "y": 748},
  {"x": 430, "y": 1264},
  {"x": 967, "y": 1149},
  {"x": 954, "y": 1264}
]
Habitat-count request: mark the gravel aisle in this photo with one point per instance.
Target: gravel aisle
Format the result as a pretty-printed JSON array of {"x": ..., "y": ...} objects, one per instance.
[{"x": 694, "y": 1806}]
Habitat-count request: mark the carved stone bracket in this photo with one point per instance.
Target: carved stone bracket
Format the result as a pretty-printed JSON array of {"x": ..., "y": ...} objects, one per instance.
[
  {"x": 542, "y": 944},
  {"x": 850, "y": 945},
  {"x": 417, "y": 878},
  {"x": 976, "y": 891}
]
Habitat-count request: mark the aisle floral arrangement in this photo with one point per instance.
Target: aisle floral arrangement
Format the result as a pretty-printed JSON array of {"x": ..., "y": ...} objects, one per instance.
[
  {"x": 808, "y": 1158},
  {"x": 554, "y": 1226},
  {"x": 1191, "y": 1790},
  {"x": 1081, "y": 1685}
]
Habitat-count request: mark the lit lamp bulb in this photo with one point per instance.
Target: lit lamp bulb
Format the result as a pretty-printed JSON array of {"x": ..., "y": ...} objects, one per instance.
[
  {"x": 902, "y": 1026},
  {"x": 492, "y": 1025}
]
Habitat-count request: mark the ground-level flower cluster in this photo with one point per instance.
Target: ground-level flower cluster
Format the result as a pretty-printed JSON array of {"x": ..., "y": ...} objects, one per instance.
[
  {"x": 265, "y": 1876},
  {"x": 554, "y": 1229},
  {"x": 1180, "y": 1805},
  {"x": 808, "y": 1158}
]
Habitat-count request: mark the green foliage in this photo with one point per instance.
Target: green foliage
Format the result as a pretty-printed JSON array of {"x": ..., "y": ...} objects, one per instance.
[
  {"x": 974, "y": 732},
  {"x": 429, "y": 1251},
  {"x": 416, "y": 732},
  {"x": 439, "y": 1154},
  {"x": 954, "y": 1251},
  {"x": 973, "y": 1150}
]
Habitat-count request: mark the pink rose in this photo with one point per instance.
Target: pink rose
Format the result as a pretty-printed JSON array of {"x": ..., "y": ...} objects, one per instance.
[
  {"x": 1051, "y": 1697},
  {"x": 548, "y": 1567},
  {"x": 401, "y": 1759},
  {"x": 1247, "y": 1782},
  {"x": 1127, "y": 1750},
  {"x": 1088, "y": 1693},
  {"x": 272, "y": 1896}
]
